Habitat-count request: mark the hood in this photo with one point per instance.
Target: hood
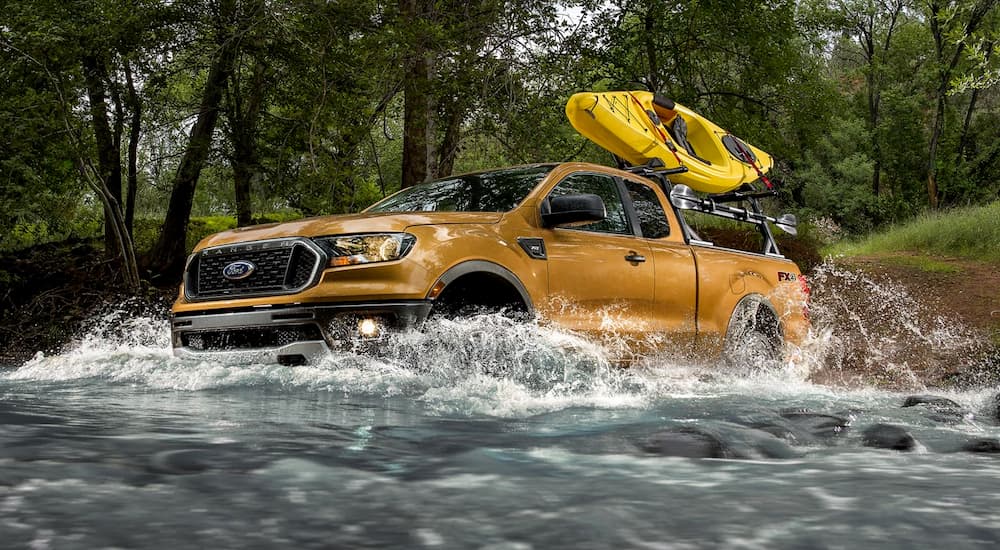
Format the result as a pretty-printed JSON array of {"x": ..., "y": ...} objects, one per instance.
[{"x": 350, "y": 223}]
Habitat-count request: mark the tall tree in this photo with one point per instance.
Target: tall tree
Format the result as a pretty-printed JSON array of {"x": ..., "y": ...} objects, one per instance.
[
  {"x": 418, "y": 18},
  {"x": 78, "y": 48},
  {"x": 248, "y": 84},
  {"x": 457, "y": 56},
  {"x": 952, "y": 25},
  {"x": 872, "y": 23},
  {"x": 108, "y": 142},
  {"x": 166, "y": 258}
]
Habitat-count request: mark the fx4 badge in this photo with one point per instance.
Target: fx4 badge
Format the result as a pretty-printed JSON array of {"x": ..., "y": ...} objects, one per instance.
[{"x": 785, "y": 276}]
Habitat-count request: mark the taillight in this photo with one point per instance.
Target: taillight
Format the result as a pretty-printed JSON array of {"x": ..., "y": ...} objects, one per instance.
[{"x": 806, "y": 292}]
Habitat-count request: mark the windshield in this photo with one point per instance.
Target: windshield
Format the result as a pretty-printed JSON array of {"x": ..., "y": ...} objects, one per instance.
[{"x": 496, "y": 191}]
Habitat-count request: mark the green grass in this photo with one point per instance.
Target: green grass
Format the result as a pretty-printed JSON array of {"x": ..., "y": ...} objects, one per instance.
[{"x": 971, "y": 232}]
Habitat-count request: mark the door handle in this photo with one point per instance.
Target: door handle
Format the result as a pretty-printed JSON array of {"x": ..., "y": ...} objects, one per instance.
[{"x": 635, "y": 258}]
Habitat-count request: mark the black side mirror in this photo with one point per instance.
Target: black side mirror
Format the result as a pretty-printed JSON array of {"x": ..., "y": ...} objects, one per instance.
[{"x": 573, "y": 209}]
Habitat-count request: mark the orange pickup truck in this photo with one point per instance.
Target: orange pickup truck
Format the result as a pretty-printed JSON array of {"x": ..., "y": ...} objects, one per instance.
[{"x": 596, "y": 250}]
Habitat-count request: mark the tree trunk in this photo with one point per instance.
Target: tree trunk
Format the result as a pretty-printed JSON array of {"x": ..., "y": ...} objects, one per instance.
[
  {"x": 874, "y": 100},
  {"x": 243, "y": 171},
  {"x": 108, "y": 156},
  {"x": 649, "y": 20},
  {"x": 452, "y": 138},
  {"x": 168, "y": 254},
  {"x": 418, "y": 109},
  {"x": 135, "y": 128},
  {"x": 417, "y": 125},
  {"x": 963, "y": 140},
  {"x": 945, "y": 69},
  {"x": 244, "y": 115},
  {"x": 936, "y": 128}
]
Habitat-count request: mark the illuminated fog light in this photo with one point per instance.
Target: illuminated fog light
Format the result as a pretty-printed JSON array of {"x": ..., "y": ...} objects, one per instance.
[{"x": 368, "y": 328}]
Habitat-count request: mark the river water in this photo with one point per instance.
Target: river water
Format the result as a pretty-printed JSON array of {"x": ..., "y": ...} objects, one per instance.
[{"x": 488, "y": 434}]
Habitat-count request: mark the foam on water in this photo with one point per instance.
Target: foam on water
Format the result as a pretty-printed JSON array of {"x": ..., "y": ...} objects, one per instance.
[{"x": 492, "y": 365}]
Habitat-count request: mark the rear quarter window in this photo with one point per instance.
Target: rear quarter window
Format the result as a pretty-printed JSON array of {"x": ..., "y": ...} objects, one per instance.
[{"x": 652, "y": 218}]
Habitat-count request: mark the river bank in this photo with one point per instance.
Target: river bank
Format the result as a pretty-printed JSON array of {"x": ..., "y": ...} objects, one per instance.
[{"x": 50, "y": 293}]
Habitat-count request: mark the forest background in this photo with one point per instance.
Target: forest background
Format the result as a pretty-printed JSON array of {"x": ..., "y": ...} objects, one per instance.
[{"x": 145, "y": 124}]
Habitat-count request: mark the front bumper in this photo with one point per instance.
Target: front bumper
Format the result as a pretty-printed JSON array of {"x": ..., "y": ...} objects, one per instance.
[{"x": 290, "y": 335}]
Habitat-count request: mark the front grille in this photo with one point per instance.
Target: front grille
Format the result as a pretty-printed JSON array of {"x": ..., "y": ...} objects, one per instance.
[
  {"x": 250, "y": 338},
  {"x": 259, "y": 268}
]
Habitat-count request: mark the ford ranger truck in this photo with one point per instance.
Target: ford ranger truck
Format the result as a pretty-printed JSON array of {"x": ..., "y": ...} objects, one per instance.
[{"x": 588, "y": 248}]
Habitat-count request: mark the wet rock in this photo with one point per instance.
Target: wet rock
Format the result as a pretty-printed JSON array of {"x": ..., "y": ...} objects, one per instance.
[
  {"x": 888, "y": 436},
  {"x": 939, "y": 409},
  {"x": 717, "y": 440},
  {"x": 982, "y": 445},
  {"x": 933, "y": 401},
  {"x": 179, "y": 462},
  {"x": 798, "y": 426},
  {"x": 685, "y": 443},
  {"x": 819, "y": 425}
]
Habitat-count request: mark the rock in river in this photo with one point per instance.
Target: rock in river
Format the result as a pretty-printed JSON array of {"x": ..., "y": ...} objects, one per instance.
[
  {"x": 982, "y": 445},
  {"x": 933, "y": 401},
  {"x": 940, "y": 409},
  {"x": 716, "y": 440},
  {"x": 888, "y": 436}
]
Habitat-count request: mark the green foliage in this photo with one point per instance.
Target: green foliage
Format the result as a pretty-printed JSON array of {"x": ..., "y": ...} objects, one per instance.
[
  {"x": 790, "y": 77},
  {"x": 148, "y": 229},
  {"x": 970, "y": 232},
  {"x": 836, "y": 176}
]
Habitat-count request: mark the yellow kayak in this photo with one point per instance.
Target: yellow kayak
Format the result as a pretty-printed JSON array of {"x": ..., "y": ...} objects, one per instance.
[{"x": 641, "y": 126}]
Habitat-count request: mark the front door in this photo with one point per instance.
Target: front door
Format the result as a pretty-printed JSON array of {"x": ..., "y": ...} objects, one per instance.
[{"x": 600, "y": 274}]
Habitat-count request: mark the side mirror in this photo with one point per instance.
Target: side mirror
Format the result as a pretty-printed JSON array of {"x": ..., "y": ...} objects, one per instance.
[
  {"x": 573, "y": 209},
  {"x": 788, "y": 223},
  {"x": 683, "y": 198}
]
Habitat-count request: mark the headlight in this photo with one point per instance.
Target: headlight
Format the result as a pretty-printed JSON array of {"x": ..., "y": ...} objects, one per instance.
[{"x": 366, "y": 248}]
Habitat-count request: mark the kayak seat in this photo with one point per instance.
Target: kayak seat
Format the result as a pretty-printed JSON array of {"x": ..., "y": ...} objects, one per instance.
[{"x": 678, "y": 130}]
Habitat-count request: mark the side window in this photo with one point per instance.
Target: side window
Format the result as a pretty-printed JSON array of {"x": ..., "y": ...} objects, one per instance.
[
  {"x": 604, "y": 187},
  {"x": 652, "y": 219}
]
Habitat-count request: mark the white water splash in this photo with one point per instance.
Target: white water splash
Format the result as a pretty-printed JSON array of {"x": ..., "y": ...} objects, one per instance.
[
  {"x": 492, "y": 365},
  {"x": 873, "y": 331}
]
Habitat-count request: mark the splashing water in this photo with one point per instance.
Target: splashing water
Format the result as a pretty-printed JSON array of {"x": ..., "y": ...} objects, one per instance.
[
  {"x": 488, "y": 433},
  {"x": 873, "y": 332},
  {"x": 865, "y": 332}
]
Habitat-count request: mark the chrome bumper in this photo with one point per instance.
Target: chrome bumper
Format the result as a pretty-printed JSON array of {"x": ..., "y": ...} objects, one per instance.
[{"x": 290, "y": 335}]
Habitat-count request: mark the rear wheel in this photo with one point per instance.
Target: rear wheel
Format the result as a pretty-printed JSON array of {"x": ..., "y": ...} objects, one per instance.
[{"x": 753, "y": 340}]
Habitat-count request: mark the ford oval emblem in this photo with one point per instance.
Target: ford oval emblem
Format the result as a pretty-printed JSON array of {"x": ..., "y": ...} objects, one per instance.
[{"x": 238, "y": 270}]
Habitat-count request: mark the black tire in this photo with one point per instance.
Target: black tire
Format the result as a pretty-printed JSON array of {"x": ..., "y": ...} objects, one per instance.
[
  {"x": 478, "y": 294},
  {"x": 754, "y": 341}
]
